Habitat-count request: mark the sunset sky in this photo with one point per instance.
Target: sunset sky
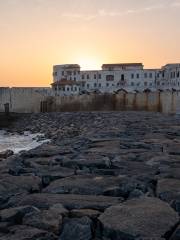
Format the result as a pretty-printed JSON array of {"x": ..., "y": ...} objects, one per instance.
[{"x": 36, "y": 34}]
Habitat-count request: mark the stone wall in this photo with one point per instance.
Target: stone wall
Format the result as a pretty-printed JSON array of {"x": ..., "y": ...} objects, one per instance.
[
  {"x": 31, "y": 100},
  {"x": 23, "y": 100}
]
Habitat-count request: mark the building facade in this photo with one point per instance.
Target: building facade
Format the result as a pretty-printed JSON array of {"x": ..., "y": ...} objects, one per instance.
[{"x": 130, "y": 77}]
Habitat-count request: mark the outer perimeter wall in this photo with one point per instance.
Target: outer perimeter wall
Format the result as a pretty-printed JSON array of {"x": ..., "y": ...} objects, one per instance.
[{"x": 31, "y": 100}]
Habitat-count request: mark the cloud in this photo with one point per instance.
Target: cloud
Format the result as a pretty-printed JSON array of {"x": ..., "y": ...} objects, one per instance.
[
  {"x": 104, "y": 13},
  {"x": 176, "y": 3}
]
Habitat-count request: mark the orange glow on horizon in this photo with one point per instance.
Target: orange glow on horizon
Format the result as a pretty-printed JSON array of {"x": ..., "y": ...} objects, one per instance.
[{"x": 35, "y": 35}]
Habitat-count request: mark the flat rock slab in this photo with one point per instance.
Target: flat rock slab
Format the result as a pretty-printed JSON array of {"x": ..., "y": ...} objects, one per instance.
[
  {"x": 84, "y": 184},
  {"x": 47, "y": 150},
  {"x": 141, "y": 218},
  {"x": 69, "y": 201}
]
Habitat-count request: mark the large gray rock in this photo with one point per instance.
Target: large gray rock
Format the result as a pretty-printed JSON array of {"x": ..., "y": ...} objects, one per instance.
[
  {"x": 84, "y": 184},
  {"x": 138, "y": 219},
  {"x": 69, "y": 201},
  {"x": 47, "y": 150},
  {"x": 49, "y": 220},
  {"x": 77, "y": 229},
  {"x": 15, "y": 215},
  {"x": 87, "y": 160},
  {"x": 14, "y": 185},
  {"x": 168, "y": 189},
  {"x": 77, "y": 213},
  {"x": 6, "y": 154},
  {"x": 27, "y": 233}
]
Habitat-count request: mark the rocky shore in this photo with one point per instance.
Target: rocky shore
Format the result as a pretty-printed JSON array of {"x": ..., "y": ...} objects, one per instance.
[{"x": 104, "y": 176}]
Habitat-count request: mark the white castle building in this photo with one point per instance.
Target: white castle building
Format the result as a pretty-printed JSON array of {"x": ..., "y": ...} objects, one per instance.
[{"x": 131, "y": 77}]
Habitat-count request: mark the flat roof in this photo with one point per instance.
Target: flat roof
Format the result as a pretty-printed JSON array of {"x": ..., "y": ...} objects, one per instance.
[{"x": 123, "y": 65}]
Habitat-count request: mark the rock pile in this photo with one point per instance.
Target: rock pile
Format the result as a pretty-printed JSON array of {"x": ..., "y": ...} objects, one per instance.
[{"x": 104, "y": 176}]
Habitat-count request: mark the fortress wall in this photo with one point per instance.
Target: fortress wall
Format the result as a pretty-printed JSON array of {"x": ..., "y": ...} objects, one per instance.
[
  {"x": 29, "y": 100},
  {"x": 22, "y": 100}
]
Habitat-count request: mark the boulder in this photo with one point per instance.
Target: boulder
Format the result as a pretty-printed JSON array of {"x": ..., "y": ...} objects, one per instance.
[
  {"x": 77, "y": 229},
  {"x": 84, "y": 184},
  {"x": 22, "y": 232},
  {"x": 138, "y": 219},
  {"x": 176, "y": 234},
  {"x": 15, "y": 215},
  {"x": 78, "y": 213},
  {"x": 6, "y": 154},
  {"x": 49, "y": 220},
  {"x": 88, "y": 161},
  {"x": 168, "y": 189},
  {"x": 14, "y": 185},
  {"x": 47, "y": 150}
]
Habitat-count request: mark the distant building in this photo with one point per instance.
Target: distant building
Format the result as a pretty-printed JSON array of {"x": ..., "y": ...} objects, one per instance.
[{"x": 131, "y": 77}]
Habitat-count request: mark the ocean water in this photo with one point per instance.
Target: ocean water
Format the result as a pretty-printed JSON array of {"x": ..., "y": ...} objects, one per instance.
[{"x": 18, "y": 143}]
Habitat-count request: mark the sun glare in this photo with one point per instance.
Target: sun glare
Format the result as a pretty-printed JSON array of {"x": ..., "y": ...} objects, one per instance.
[{"x": 89, "y": 63}]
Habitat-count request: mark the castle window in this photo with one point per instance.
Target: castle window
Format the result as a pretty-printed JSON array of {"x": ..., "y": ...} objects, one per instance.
[
  {"x": 107, "y": 84},
  {"x": 87, "y": 76},
  {"x": 62, "y": 73},
  {"x": 67, "y": 89},
  {"x": 87, "y": 85},
  {"x": 74, "y": 72},
  {"x": 74, "y": 78},
  {"x": 132, "y": 75},
  {"x": 95, "y": 85},
  {"x": 177, "y": 74},
  {"x": 99, "y": 84},
  {"x": 150, "y": 75},
  {"x": 110, "y": 78},
  {"x": 99, "y": 76},
  {"x": 94, "y": 76},
  {"x": 137, "y": 75},
  {"x": 82, "y": 76},
  {"x": 132, "y": 83},
  {"x": 145, "y": 75},
  {"x": 75, "y": 89},
  {"x": 122, "y": 77}
]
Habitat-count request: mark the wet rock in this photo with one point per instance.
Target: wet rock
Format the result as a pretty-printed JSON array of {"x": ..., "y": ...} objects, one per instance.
[
  {"x": 138, "y": 219},
  {"x": 69, "y": 201},
  {"x": 77, "y": 229}
]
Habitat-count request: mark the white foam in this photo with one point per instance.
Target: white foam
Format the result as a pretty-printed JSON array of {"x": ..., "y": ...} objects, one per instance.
[{"x": 17, "y": 143}]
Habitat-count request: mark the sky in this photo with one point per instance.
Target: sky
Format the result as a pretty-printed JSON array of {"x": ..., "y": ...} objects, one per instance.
[{"x": 37, "y": 34}]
